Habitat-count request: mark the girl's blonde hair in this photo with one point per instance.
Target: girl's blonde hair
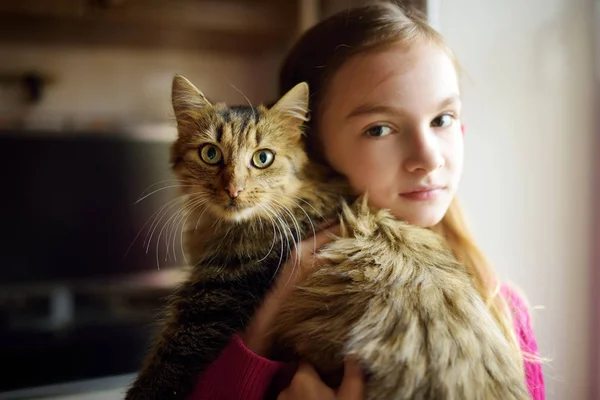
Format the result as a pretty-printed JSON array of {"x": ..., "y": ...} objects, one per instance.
[{"x": 317, "y": 56}]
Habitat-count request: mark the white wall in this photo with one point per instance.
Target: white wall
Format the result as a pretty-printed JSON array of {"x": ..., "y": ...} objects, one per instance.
[{"x": 528, "y": 110}]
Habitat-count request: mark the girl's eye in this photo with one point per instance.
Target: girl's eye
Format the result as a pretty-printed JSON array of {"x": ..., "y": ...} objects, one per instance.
[
  {"x": 210, "y": 154},
  {"x": 378, "y": 131},
  {"x": 263, "y": 158},
  {"x": 443, "y": 121}
]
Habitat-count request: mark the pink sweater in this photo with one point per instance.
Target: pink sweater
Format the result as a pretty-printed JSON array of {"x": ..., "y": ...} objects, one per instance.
[{"x": 241, "y": 374}]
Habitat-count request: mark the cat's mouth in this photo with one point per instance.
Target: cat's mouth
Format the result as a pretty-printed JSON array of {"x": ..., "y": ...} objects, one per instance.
[
  {"x": 233, "y": 210},
  {"x": 233, "y": 205}
]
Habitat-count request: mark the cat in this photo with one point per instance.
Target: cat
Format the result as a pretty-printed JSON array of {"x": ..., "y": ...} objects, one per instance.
[{"x": 391, "y": 294}]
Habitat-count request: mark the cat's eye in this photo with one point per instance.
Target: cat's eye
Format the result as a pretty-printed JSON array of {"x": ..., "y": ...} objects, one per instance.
[
  {"x": 210, "y": 154},
  {"x": 263, "y": 158},
  {"x": 443, "y": 121},
  {"x": 379, "y": 131}
]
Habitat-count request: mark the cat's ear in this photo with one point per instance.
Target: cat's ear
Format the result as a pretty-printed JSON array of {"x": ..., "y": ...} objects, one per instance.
[
  {"x": 294, "y": 103},
  {"x": 186, "y": 97}
]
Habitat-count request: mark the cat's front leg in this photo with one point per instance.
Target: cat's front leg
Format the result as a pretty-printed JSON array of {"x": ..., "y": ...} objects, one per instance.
[
  {"x": 202, "y": 318},
  {"x": 182, "y": 351},
  {"x": 159, "y": 379}
]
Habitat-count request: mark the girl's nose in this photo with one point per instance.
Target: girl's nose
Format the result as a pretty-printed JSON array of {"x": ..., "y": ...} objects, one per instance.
[{"x": 425, "y": 154}]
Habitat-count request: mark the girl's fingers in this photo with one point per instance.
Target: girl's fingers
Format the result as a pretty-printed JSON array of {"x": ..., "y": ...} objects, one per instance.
[{"x": 353, "y": 383}]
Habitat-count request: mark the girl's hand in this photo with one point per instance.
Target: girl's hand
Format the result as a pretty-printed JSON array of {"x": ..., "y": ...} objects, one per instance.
[
  {"x": 307, "y": 385},
  {"x": 301, "y": 262}
]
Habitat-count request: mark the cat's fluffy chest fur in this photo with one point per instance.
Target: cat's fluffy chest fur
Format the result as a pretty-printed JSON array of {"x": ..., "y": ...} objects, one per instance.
[{"x": 391, "y": 294}]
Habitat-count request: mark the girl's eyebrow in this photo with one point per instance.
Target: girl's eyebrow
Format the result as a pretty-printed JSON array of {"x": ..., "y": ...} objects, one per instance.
[
  {"x": 453, "y": 98},
  {"x": 370, "y": 108},
  {"x": 374, "y": 108}
]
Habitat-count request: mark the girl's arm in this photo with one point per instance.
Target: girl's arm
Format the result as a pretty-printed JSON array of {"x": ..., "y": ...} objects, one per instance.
[
  {"x": 238, "y": 373},
  {"x": 526, "y": 336}
]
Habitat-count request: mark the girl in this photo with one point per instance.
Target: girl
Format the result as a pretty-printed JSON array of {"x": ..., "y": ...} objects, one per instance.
[{"x": 385, "y": 104}]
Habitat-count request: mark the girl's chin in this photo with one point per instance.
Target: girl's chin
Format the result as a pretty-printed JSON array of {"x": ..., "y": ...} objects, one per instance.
[{"x": 424, "y": 216}]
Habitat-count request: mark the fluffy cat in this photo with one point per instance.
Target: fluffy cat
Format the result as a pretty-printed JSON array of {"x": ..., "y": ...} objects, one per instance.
[{"x": 389, "y": 293}]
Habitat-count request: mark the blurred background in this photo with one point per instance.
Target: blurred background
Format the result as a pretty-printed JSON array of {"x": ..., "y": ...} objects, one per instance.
[{"x": 89, "y": 244}]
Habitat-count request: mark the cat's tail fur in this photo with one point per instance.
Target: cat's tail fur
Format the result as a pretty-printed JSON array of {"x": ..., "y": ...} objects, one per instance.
[{"x": 394, "y": 296}]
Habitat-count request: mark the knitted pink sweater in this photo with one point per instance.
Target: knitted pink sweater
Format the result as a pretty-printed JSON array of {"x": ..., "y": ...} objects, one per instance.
[{"x": 241, "y": 374}]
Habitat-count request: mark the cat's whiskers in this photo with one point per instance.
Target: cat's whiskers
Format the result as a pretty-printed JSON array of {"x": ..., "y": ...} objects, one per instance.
[
  {"x": 143, "y": 197},
  {"x": 247, "y": 100},
  {"x": 293, "y": 218},
  {"x": 169, "y": 227},
  {"x": 285, "y": 227},
  {"x": 165, "y": 226},
  {"x": 164, "y": 181},
  {"x": 200, "y": 217},
  {"x": 158, "y": 218},
  {"x": 184, "y": 224},
  {"x": 216, "y": 225},
  {"x": 297, "y": 244},
  {"x": 180, "y": 217},
  {"x": 305, "y": 213},
  {"x": 290, "y": 197},
  {"x": 276, "y": 225},
  {"x": 257, "y": 220},
  {"x": 216, "y": 222},
  {"x": 175, "y": 179},
  {"x": 274, "y": 233},
  {"x": 192, "y": 205},
  {"x": 178, "y": 198},
  {"x": 260, "y": 221}
]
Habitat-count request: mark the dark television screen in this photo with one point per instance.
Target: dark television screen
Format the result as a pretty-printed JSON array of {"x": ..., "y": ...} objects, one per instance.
[{"x": 68, "y": 206}]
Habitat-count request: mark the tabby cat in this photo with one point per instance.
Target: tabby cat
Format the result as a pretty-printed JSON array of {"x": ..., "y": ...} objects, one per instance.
[{"x": 389, "y": 293}]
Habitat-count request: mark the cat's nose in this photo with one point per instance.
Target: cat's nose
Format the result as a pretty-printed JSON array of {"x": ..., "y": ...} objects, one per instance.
[{"x": 234, "y": 190}]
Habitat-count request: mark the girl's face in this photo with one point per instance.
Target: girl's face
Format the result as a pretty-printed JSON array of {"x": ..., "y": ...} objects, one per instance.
[{"x": 391, "y": 125}]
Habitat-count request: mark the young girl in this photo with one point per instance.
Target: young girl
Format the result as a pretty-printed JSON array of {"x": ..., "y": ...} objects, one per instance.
[{"x": 385, "y": 112}]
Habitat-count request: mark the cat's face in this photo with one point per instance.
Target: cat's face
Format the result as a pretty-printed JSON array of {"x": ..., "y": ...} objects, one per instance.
[{"x": 239, "y": 162}]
